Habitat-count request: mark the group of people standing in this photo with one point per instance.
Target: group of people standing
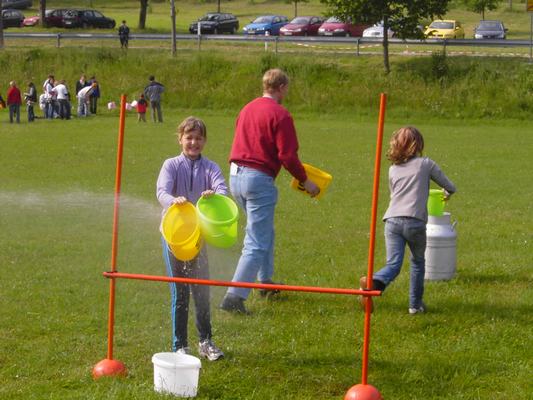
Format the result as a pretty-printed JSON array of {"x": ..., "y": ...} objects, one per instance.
[{"x": 55, "y": 100}]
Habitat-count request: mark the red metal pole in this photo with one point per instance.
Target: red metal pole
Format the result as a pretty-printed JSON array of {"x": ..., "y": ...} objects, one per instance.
[
  {"x": 291, "y": 288},
  {"x": 372, "y": 242},
  {"x": 114, "y": 243}
]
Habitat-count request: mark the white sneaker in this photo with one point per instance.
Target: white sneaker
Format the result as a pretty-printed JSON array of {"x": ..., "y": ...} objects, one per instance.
[
  {"x": 207, "y": 349},
  {"x": 184, "y": 350},
  {"x": 418, "y": 310}
]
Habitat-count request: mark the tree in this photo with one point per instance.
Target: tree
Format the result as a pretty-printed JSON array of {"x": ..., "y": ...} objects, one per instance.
[
  {"x": 296, "y": 5},
  {"x": 42, "y": 12},
  {"x": 1, "y": 27},
  {"x": 479, "y": 6},
  {"x": 142, "y": 14},
  {"x": 402, "y": 16}
]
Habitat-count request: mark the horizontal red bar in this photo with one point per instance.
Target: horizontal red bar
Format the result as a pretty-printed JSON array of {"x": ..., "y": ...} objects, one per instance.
[{"x": 209, "y": 282}]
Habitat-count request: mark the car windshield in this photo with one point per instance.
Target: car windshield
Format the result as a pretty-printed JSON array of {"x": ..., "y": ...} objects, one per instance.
[
  {"x": 441, "y": 25},
  {"x": 300, "y": 20},
  {"x": 334, "y": 20},
  {"x": 209, "y": 17},
  {"x": 490, "y": 25},
  {"x": 263, "y": 20}
]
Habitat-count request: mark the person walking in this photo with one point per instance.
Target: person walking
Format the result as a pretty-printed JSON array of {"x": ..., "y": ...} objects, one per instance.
[
  {"x": 183, "y": 179},
  {"x": 14, "y": 100},
  {"x": 152, "y": 92},
  {"x": 124, "y": 35},
  {"x": 265, "y": 140},
  {"x": 406, "y": 217},
  {"x": 30, "y": 97}
]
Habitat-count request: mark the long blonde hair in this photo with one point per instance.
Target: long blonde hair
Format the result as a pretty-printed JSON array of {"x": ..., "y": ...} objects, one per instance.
[{"x": 405, "y": 143}]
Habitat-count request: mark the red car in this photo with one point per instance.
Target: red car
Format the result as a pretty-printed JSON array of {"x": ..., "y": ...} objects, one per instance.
[
  {"x": 302, "y": 26},
  {"x": 335, "y": 27}
]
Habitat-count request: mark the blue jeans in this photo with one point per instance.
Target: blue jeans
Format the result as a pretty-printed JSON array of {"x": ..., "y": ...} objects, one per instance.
[
  {"x": 257, "y": 195},
  {"x": 14, "y": 112},
  {"x": 400, "y": 231},
  {"x": 180, "y": 293}
]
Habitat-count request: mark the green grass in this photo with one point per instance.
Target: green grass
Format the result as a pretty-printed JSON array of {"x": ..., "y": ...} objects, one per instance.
[{"x": 56, "y": 205}]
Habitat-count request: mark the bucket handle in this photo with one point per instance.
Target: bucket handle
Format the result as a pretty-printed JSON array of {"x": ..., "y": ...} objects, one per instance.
[{"x": 454, "y": 224}]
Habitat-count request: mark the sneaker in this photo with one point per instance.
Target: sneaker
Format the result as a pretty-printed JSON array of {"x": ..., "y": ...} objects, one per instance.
[
  {"x": 269, "y": 292},
  {"x": 418, "y": 310},
  {"x": 233, "y": 303},
  {"x": 362, "y": 299},
  {"x": 207, "y": 349},
  {"x": 184, "y": 350}
]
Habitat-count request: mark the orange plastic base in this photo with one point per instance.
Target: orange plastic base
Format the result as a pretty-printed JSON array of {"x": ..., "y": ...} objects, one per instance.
[
  {"x": 108, "y": 367},
  {"x": 363, "y": 392}
]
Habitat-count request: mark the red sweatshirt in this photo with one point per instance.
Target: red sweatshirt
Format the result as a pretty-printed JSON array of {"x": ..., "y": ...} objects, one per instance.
[
  {"x": 265, "y": 139},
  {"x": 13, "y": 96}
]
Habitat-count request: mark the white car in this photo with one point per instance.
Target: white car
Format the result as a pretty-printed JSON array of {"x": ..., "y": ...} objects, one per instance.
[{"x": 376, "y": 31}]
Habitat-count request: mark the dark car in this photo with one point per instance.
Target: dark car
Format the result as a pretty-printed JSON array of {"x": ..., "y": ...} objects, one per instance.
[
  {"x": 56, "y": 17},
  {"x": 18, "y": 4},
  {"x": 337, "y": 27},
  {"x": 12, "y": 18},
  {"x": 87, "y": 19},
  {"x": 216, "y": 23},
  {"x": 302, "y": 26},
  {"x": 490, "y": 30}
]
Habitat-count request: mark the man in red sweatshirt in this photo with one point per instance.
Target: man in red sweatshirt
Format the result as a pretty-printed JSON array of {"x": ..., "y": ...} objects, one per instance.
[
  {"x": 265, "y": 140},
  {"x": 14, "y": 100}
]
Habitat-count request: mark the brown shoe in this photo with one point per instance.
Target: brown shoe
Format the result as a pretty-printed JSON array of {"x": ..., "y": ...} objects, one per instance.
[{"x": 363, "y": 299}]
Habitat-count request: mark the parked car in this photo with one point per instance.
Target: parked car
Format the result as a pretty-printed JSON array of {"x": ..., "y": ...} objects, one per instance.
[
  {"x": 336, "y": 27},
  {"x": 12, "y": 18},
  {"x": 17, "y": 4},
  {"x": 31, "y": 21},
  {"x": 87, "y": 19},
  {"x": 216, "y": 23},
  {"x": 56, "y": 17},
  {"x": 376, "y": 31},
  {"x": 266, "y": 24},
  {"x": 445, "y": 29},
  {"x": 490, "y": 30},
  {"x": 302, "y": 26}
]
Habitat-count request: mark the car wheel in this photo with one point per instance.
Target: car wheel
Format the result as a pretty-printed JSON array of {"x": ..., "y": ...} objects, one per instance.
[
  {"x": 233, "y": 30},
  {"x": 215, "y": 31}
]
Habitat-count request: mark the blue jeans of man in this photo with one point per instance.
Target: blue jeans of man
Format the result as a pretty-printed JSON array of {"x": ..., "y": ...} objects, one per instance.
[
  {"x": 180, "y": 294},
  {"x": 14, "y": 112},
  {"x": 257, "y": 195},
  {"x": 400, "y": 231}
]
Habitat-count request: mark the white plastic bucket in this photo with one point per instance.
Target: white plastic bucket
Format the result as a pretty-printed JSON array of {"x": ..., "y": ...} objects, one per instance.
[
  {"x": 441, "y": 253},
  {"x": 176, "y": 374}
]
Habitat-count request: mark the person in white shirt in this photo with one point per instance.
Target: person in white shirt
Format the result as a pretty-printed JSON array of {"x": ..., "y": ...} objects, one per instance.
[
  {"x": 83, "y": 100},
  {"x": 48, "y": 88},
  {"x": 63, "y": 100}
]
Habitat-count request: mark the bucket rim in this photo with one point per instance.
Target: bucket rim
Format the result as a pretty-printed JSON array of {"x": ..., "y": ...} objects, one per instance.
[
  {"x": 187, "y": 360},
  {"x": 231, "y": 203}
]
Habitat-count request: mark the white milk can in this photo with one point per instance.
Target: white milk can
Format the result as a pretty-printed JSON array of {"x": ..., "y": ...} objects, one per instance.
[{"x": 441, "y": 252}]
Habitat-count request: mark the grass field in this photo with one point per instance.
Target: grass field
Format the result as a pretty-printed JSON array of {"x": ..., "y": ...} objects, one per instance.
[{"x": 56, "y": 203}]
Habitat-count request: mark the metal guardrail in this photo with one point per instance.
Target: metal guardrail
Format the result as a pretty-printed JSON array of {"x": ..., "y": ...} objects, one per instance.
[{"x": 357, "y": 41}]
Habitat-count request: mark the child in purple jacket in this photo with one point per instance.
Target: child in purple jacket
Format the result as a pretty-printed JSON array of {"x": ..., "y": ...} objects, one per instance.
[{"x": 184, "y": 178}]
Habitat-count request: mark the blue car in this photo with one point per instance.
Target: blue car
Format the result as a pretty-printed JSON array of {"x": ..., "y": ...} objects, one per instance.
[{"x": 266, "y": 25}]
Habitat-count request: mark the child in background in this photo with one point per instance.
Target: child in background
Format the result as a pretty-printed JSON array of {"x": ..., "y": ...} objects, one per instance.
[
  {"x": 141, "y": 108},
  {"x": 184, "y": 178},
  {"x": 406, "y": 217}
]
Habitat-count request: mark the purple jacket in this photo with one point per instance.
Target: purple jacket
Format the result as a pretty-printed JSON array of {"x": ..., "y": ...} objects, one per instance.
[{"x": 181, "y": 176}]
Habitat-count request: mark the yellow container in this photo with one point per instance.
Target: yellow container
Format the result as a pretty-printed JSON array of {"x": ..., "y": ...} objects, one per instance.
[
  {"x": 181, "y": 231},
  {"x": 320, "y": 178}
]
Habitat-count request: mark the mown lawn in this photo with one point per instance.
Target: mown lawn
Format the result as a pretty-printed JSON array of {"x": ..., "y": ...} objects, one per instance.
[{"x": 56, "y": 204}]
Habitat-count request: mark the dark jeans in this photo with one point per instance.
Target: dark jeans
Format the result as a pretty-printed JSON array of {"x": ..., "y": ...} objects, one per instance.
[
  {"x": 156, "y": 111},
  {"x": 92, "y": 104},
  {"x": 14, "y": 111},
  {"x": 31, "y": 114},
  {"x": 180, "y": 294},
  {"x": 64, "y": 109}
]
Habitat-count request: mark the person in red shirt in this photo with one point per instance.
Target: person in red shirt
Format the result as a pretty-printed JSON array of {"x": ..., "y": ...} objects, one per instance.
[
  {"x": 141, "y": 108},
  {"x": 14, "y": 100},
  {"x": 265, "y": 140}
]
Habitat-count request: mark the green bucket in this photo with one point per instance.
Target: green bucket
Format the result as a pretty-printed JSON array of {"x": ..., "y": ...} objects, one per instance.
[
  {"x": 436, "y": 202},
  {"x": 218, "y": 217}
]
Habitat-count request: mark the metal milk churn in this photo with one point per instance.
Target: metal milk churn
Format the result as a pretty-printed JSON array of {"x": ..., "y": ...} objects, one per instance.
[{"x": 441, "y": 252}]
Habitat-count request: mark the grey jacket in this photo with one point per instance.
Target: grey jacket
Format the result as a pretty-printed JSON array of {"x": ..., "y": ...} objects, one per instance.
[
  {"x": 409, "y": 187},
  {"x": 153, "y": 91}
]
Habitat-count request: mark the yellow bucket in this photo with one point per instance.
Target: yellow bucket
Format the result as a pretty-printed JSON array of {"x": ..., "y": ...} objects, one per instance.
[
  {"x": 181, "y": 231},
  {"x": 320, "y": 178}
]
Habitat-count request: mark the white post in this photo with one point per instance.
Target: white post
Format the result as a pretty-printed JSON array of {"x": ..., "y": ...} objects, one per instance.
[{"x": 267, "y": 33}]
